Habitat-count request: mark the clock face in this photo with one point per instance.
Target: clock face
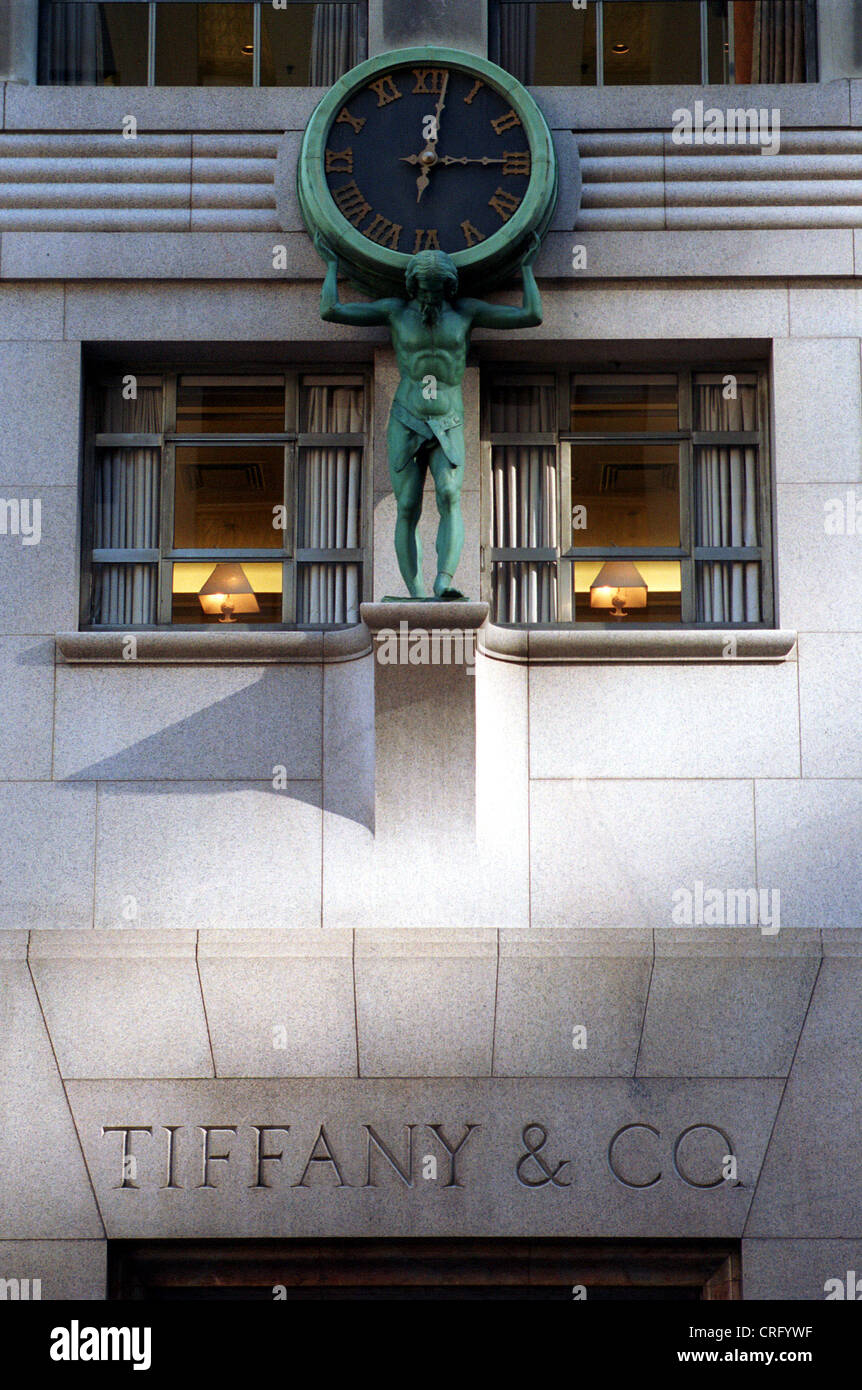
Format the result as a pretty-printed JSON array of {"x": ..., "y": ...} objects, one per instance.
[{"x": 425, "y": 155}]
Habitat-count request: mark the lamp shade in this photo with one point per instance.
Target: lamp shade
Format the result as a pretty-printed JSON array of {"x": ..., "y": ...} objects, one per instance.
[
  {"x": 228, "y": 591},
  {"x": 618, "y": 583}
]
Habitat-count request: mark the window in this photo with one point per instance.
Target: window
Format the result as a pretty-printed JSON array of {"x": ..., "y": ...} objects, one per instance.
[
  {"x": 636, "y": 499},
  {"x": 219, "y": 499},
  {"x": 622, "y": 43},
  {"x": 199, "y": 43}
]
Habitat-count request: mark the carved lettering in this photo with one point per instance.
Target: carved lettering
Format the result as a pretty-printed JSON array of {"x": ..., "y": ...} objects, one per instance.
[
  {"x": 453, "y": 1152},
  {"x": 208, "y": 1156},
  {"x": 376, "y": 1144},
  {"x": 326, "y": 1157},
  {"x": 126, "y": 1169}
]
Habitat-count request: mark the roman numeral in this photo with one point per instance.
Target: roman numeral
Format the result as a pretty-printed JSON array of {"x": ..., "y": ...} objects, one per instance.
[
  {"x": 504, "y": 123},
  {"x": 341, "y": 161},
  {"x": 386, "y": 90},
  {"x": 431, "y": 242},
  {"x": 504, "y": 203},
  {"x": 351, "y": 202},
  {"x": 344, "y": 118},
  {"x": 468, "y": 100},
  {"x": 436, "y": 76},
  {"x": 471, "y": 233},
  {"x": 515, "y": 163},
  {"x": 384, "y": 232}
]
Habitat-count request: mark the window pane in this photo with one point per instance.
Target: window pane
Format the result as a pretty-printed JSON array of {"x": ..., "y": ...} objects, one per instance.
[
  {"x": 524, "y": 494},
  {"x": 310, "y": 45},
  {"x": 329, "y": 499},
  {"x": 261, "y": 605},
  {"x": 328, "y": 593},
  {"x": 652, "y": 42},
  {"x": 225, "y": 496},
  {"x": 547, "y": 44},
  {"x": 625, "y": 494},
  {"x": 204, "y": 45},
  {"x": 90, "y": 44},
  {"x": 718, "y": 46},
  {"x": 124, "y": 595},
  {"x": 117, "y": 414},
  {"x": 126, "y": 499},
  {"x": 728, "y": 592},
  {"x": 332, "y": 407},
  {"x": 524, "y": 592},
  {"x": 619, "y": 407},
  {"x": 212, "y": 406},
  {"x": 712, "y": 411},
  {"x": 523, "y": 409},
  {"x": 621, "y": 602}
]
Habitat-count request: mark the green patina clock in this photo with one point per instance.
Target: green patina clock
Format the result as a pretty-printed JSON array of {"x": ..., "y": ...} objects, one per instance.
[{"x": 427, "y": 149}]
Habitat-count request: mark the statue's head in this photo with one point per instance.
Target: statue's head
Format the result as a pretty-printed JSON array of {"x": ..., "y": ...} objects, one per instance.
[{"x": 431, "y": 277}]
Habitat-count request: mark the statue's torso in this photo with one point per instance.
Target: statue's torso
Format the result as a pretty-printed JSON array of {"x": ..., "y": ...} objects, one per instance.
[{"x": 437, "y": 351}]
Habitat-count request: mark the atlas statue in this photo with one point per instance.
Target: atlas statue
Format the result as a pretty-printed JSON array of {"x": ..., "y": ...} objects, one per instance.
[{"x": 430, "y": 328}]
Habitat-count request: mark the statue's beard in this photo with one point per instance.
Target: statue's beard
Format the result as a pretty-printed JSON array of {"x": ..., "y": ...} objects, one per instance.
[{"x": 431, "y": 311}]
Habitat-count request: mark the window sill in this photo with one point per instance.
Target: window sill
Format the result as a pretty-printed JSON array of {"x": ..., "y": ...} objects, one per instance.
[
  {"x": 242, "y": 648},
  {"x": 550, "y": 646}
]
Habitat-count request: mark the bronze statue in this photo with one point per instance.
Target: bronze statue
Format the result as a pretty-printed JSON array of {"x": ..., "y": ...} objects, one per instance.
[{"x": 430, "y": 331}]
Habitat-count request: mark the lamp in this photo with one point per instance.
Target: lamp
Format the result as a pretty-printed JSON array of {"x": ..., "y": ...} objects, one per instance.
[
  {"x": 226, "y": 592},
  {"x": 619, "y": 586}
]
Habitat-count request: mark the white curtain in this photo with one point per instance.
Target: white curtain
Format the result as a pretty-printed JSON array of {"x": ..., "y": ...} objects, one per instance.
[
  {"x": 75, "y": 46},
  {"x": 334, "y": 43},
  {"x": 330, "y": 506},
  {"x": 524, "y": 504},
  {"x": 518, "y": 40},
  {"x": 126, "y": 501},
  {"x": 726, "y": 492}
]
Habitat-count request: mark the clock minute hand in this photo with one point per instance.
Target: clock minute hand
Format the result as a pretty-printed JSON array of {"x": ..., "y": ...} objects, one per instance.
[{"x": 465, "y": 159}]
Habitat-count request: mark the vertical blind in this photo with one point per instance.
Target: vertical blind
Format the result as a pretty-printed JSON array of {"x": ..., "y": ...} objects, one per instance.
[
  {"x": 524, "y": 504},
  {"x": 329, "y": 507},
  {"x": 726, "y": 492},
  {"x": 126, "y": 507}
]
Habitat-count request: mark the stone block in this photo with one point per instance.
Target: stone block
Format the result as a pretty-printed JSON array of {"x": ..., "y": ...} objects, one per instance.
[
  {"x": 808, "y": 849},
  {"x": 818, "y": 411},
  {"x": 208, "y": 854},
  {"x": 830, "y": 715},
  {"x": 27, "y": 681},
  {"x": 122, "y": 1003},
  {"x": 47, "y": 834},
  {"x": 615, "y": 853},
  {"x": 44, "y": 1186},
  {"x": 280, "y": 1003},
  {"x": 425, "y": 1002},
  {"x": 570, "y": 1003},
  {"x": 137, "y": 723},
  {"x": 664, "y": 721},
  {"x": 727, "y": 1001}
]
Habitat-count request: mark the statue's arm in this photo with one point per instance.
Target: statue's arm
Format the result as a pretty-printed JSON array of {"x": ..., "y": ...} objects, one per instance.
[
  {"x": 526, "y": 315},
  {"x": 331, "y": 307}
]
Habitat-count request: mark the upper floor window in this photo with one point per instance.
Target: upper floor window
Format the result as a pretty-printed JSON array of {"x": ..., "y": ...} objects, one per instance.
[
  {"x": 199, "y": 43},
  {"x": 622, "y": 43},
  {"x": 631, "y": 499},
  {"x": 219, "y": 499}
]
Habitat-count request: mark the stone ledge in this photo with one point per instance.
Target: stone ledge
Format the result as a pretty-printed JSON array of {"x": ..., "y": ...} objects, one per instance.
[
  {"x": 547, "y": 646},
  {"x": 247, "y": 647},
  {"x": 431, "y": 615}
]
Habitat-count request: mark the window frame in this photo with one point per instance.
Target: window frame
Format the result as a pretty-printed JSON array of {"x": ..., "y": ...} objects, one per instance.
[
  {"x": 810, "y": 22},
  {"x": 256, "y": 5},
  {"x": 290, "y": 555},
  {"x": 566, "y": 554}
]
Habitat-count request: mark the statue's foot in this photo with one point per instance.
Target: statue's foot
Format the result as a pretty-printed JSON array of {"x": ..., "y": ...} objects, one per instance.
[{"x": 443, "y": 589}]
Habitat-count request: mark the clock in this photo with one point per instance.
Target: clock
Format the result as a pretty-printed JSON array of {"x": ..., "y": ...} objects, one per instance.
[{"x": 427, "y": 148}]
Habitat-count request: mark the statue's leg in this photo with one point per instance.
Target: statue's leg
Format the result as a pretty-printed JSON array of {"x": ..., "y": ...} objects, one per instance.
[
  {"x": 407, "y": 484},
  {"x": 450, "y": 532}
]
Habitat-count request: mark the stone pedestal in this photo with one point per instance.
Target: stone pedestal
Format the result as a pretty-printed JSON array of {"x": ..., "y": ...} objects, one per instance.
[{"x": 425, "y": 719}]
